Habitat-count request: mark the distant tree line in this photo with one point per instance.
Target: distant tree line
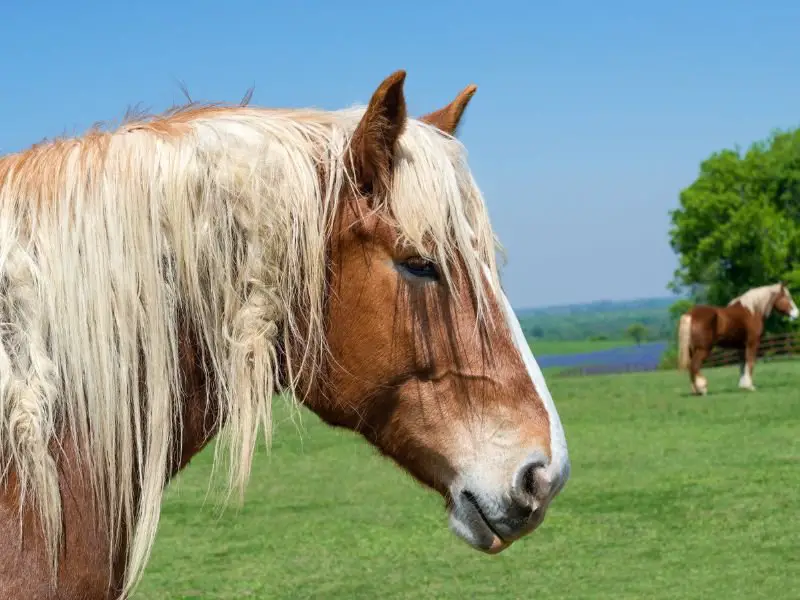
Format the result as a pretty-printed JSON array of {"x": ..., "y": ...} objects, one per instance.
[{"x": 639, "y": 321}]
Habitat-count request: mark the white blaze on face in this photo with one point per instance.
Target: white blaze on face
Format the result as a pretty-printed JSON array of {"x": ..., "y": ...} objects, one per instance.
[
  {"x": 794, "y": 312},
  {"x": 559, "y": 468}
]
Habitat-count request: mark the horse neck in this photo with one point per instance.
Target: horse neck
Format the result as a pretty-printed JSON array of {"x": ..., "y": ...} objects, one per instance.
[
  {"x": 200, "y": 410},
  {"x": 758, "y": 301},
  {"x": 765, "y": 303}
]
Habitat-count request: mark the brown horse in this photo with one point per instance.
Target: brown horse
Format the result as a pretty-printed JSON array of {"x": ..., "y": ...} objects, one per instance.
[
  {"x": 159, "y": 283},
  {"x": 738, "y": 325}
]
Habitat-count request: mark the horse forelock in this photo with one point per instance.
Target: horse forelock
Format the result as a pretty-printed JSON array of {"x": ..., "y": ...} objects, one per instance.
[{"x": 215, "y": 213}]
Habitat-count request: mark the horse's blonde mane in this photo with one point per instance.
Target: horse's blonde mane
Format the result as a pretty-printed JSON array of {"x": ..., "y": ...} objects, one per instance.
[
  {"x": 215, "y": 216},
  {"x": 759, "y": 300}
]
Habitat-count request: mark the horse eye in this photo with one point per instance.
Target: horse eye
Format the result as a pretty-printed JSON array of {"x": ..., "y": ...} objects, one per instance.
[{"x": 420, "y": 267}]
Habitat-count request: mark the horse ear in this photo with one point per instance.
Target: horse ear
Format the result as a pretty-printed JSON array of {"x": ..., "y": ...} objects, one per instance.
[
  {"x": 448, "y": 118},
  {"x": 373, "y": 144}
]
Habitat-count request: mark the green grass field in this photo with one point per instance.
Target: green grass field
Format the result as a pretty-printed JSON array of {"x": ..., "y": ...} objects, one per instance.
[
  {"x": 671, "y": 496},
  {"x": 550, "y": 347}
]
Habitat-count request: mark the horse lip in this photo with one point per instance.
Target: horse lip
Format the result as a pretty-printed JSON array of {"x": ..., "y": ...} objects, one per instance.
[
  {"x": 473, "y": 501},
  {"x": 467, "y": 514}
]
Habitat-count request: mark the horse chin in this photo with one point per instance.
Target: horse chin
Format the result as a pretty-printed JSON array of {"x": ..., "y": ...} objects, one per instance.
[{"x": 496, "y": 548}]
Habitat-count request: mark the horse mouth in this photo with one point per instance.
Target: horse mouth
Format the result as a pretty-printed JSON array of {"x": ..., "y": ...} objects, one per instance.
[
  {"x": 469, "y": 522},
  {"x": 498, "y": 544}
]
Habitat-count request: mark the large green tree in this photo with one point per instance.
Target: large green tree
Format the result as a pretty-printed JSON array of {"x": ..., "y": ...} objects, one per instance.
[{"x": 738, "y": 224}]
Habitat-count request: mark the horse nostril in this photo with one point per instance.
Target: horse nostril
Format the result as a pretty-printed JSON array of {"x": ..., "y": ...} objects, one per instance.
[
  {"x": 531, "y": 480},
  {"x": 529, "y": 483}
]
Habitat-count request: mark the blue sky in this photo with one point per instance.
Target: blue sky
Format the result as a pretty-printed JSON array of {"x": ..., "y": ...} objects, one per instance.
[{"x": 589, "y": 118}]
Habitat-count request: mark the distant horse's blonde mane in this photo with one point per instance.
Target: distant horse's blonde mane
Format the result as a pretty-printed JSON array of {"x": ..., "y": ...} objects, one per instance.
[
  {"x": 212, "y": 216},
  {"x": 759, "y": 300}
]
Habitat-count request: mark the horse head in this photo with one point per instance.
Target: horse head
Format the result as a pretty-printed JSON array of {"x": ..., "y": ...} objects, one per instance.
[
  {"x": 784, "y": 303},
  {"x": 425, "y": 358}
]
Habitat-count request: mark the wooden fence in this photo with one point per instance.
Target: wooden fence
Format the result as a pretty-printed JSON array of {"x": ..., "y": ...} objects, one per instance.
[{"x": 772, "y": 346}]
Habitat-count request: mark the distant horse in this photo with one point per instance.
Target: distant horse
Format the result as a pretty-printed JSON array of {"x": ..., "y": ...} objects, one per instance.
[
  {"x": 738, "y": 325},
  {"x": 159, "y": 283}
]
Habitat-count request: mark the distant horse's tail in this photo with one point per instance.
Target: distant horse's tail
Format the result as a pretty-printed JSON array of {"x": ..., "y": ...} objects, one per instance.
[{"x": 684, "y": 341}]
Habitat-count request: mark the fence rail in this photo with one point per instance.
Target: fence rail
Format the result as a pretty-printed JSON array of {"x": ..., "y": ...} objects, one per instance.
[{"x": 772, "y": 346}]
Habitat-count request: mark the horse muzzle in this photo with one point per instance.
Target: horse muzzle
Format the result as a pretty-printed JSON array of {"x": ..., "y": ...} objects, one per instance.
[{"x": 490, "y": 520}]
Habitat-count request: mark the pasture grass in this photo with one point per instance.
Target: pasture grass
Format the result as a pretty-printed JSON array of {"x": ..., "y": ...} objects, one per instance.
[
  {"x": 562, "y": 347},
  {"x": 671, "y": 496}
]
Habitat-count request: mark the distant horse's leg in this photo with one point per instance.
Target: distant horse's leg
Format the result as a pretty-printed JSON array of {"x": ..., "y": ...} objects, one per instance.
[
  {"x": 750, "y": 353},
  {"x": 699, "y": 383},
  {"x": 742, "y": 364}
]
